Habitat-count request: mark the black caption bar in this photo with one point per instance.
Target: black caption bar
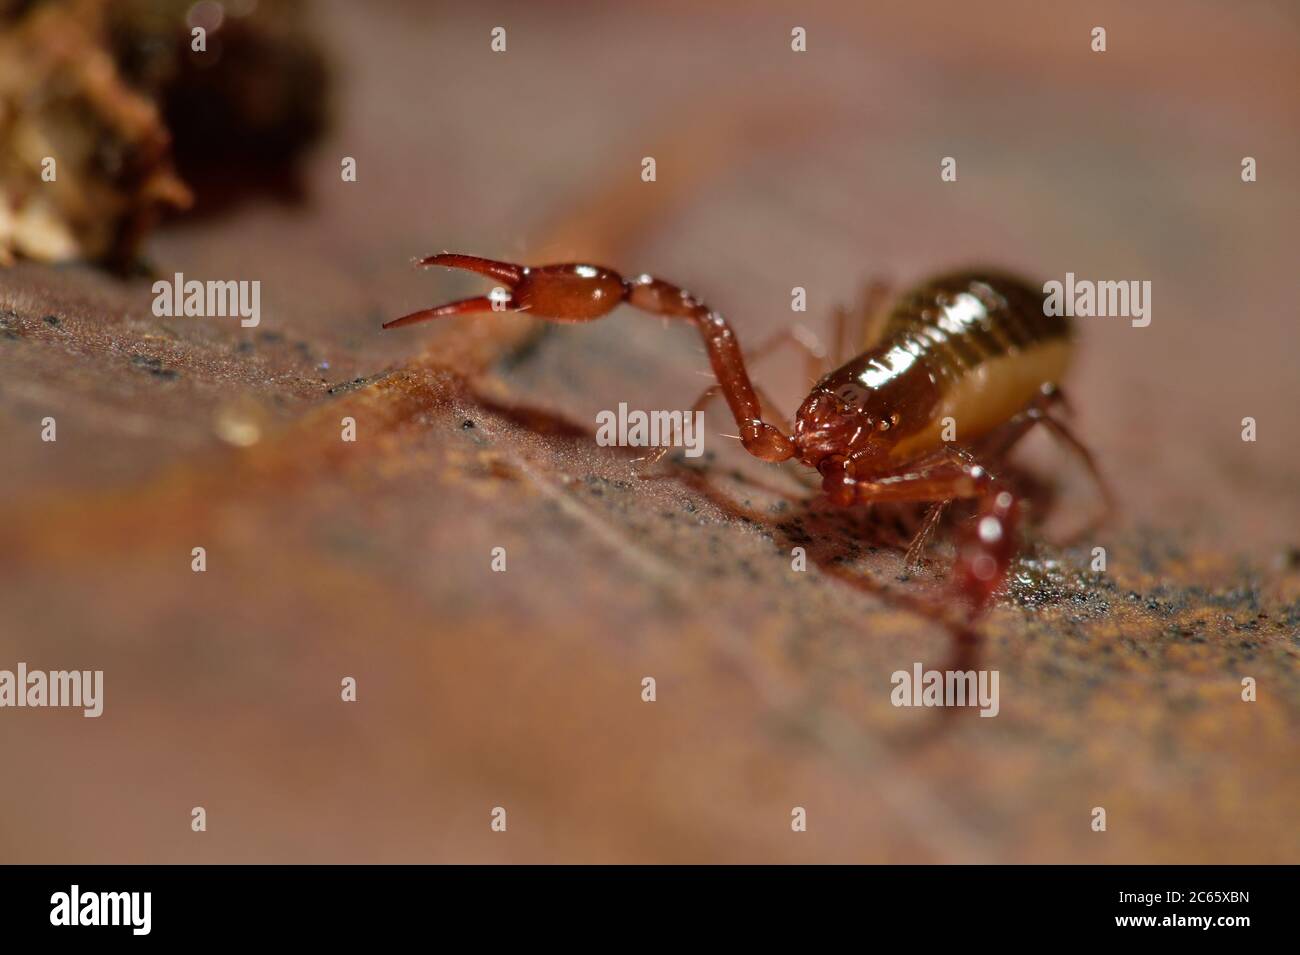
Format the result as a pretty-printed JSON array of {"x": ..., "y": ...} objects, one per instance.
[{"x": 144, "y": 904}]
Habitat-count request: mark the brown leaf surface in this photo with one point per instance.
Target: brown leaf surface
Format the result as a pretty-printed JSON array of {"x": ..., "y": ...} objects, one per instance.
[{"x": 522, "y": 689}]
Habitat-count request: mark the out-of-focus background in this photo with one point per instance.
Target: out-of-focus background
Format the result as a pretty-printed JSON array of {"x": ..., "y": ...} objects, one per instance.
[{"x": 523, "y": 689}]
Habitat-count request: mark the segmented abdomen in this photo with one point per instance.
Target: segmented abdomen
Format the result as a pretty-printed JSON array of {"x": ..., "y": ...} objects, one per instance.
[
  {"x": 961, "y": 321},
  {"x": 971, "y": 347}
]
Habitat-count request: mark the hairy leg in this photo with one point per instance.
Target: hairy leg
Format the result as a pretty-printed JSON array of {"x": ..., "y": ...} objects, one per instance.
[
  {"x": 986, "y": 545},
  {"x": 796, "y": 336},
  {"x": 998, "y": 443},
  {"x": 916, "y": 549}
]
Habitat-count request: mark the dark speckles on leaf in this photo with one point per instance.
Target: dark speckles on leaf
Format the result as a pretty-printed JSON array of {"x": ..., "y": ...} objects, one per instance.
[
  {"x": 1291, "y": 617},
  {"x": 795, "y": 532},
  {"x": 1242, "y": 598},
  {"x": 345, "y": 387},
  {"x": 154, "y": 366},
  {"x": 596, "y": 480}
]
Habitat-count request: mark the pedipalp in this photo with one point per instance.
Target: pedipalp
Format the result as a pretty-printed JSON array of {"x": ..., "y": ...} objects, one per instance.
[{"x": 574, "y": 292}]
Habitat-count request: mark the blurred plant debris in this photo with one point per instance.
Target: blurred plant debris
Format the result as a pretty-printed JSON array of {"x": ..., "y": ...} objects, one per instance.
[{"x": 109, "y": 118}]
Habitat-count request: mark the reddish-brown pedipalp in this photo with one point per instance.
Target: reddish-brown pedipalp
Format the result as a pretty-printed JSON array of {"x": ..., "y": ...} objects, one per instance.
[
  {"x": 973, "y": 350},
  {"x": 580, "y": 293}
]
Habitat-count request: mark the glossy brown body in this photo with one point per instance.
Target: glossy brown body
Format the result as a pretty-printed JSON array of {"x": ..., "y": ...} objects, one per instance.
[{"x": 973, "y": 348}]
